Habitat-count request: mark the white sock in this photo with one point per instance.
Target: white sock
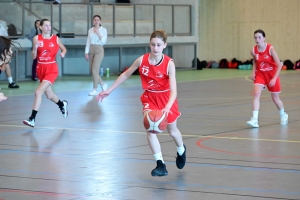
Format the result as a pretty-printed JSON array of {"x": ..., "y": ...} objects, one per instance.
[
  {"x": 281, "y": 112},
  {"x": 180, "y": 150},
  {"x": 255, "y": 114},
  {"x": 10, "y": 80},
  {"x": 158, "y": 156}
]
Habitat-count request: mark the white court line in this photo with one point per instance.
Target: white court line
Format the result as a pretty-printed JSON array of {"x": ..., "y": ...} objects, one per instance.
[{"x": 162, "y": 134}]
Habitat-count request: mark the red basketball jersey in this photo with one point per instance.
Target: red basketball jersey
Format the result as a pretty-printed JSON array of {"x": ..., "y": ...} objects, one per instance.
[
  {"x": 46, "y": 52},
  {"x": 264, "y": 60},
  {"x": 155, "y": 77}
]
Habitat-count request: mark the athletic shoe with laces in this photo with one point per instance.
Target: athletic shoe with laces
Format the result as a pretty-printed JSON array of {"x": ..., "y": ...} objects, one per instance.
[
  {"x": 93, "y": 93},
  {"x": 64, "y": 109},
  {"x": 13, "y": 85},
  {"x": 29, "y": 122},
  {"x": 253, "y": 123},
  {"x": 104, "y": 87},
  {"x": 160, "y": 169},
  {"x": 284, "y": 119},
  {"x": 180, "y": 160}
]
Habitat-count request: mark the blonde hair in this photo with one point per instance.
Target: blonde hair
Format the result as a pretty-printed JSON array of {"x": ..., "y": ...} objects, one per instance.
[{"x": 159, "y": 34}]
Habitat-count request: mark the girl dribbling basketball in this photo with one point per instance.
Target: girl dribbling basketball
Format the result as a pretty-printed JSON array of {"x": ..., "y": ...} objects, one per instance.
[{"x": 157, "y": 72}]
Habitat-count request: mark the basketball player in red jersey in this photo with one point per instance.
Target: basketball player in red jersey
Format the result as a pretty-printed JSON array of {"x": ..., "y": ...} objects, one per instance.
[
  {"x": 266, "y": 69},
  {"x": 157, "y": 72},
  {"x": 45, "y": 48}
]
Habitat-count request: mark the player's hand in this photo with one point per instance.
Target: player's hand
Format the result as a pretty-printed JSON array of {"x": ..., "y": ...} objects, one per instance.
[
  {"x": 272, "y": 82},
  {"x": 96, "y": 30},
  {"x": 102, "y": 95},
  {"x": 2, "y": 97},
  {"x": 62, "y": 54},
  {"x": 87, "y": 57},
  {"x": 166, "y": 111},
  {"x": 253, "y": 77},
  {"x": 38, "y": 43}
]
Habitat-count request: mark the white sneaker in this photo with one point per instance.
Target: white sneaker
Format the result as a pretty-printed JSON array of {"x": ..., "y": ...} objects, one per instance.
[
  {"x": 284, "y": 119},
  {"x": 29, "y": 122},
  {"x": 253, "y": 123},
  {"x": 104, "y": 87},
  {"x": 93, "y": 93}
]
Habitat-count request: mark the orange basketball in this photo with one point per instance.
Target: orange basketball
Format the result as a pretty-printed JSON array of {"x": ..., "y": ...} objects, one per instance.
[{"x": 155, "y": 121}]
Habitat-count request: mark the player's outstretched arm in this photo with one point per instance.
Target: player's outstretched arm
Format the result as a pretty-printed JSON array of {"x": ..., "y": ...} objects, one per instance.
[{"x": 123, "y": 77}]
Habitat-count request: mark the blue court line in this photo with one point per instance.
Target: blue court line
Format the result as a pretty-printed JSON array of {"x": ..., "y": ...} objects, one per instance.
[
  {"x": 180, "y": 184},
  {"x": 109, "y": 156},
  {"x": 131, "y": 180},
  {"x": 246, "y": 168}
]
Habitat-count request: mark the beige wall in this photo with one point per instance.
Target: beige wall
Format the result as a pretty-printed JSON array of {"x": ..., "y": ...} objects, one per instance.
[{"x": 226, "y": 28}]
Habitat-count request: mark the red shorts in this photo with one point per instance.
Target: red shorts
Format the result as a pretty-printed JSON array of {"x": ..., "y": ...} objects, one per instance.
[
  {"x": 264, "y": 78},
  {"x": 47, "y": 72},
  {"x": 158, "y": 100}
]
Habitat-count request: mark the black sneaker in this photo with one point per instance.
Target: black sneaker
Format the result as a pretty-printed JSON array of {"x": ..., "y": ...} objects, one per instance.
[
  {"x": 180, "y": 160},
  {"x": 160, "y": 169},
  {"x": 13, "y": 85},
  {"x": 35, "y": 79},
  {"x": 64, "y": 109}
]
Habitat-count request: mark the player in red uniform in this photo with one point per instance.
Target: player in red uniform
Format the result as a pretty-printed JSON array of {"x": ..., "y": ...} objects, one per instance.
[
  {"x": 45, "y": 48},
  {"x": 266, "y": 69},
  {"x": 157, "y": 72}
]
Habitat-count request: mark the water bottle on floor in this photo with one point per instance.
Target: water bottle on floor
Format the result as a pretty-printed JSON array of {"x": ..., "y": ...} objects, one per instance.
[
  {"x": 101, "y": 71},
  {"x": 107, "y": 72}
]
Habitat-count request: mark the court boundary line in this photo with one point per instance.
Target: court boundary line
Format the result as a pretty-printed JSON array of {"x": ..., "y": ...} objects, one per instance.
[{"x": 162, "y": 134}]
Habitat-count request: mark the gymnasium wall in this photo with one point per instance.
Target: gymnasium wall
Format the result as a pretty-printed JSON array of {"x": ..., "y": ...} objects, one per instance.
[
  {"x": 226, "y": 28},
  {"x": 181, "y": 48}
]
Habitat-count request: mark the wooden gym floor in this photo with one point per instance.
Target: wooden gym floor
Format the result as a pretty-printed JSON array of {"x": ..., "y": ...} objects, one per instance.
[{"x": 100, "y": 151}]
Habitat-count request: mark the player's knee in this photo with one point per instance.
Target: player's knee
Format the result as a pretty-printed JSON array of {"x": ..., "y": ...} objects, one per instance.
[
  {"x": 49, "y": 95},
  {"x": 173, "y": 131},
  {"x": 38, "y": 92},
  {"x": 94, "y": 73},
  {"x": 256, "y": 94},
  {"x": 275, "y": 97}
]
